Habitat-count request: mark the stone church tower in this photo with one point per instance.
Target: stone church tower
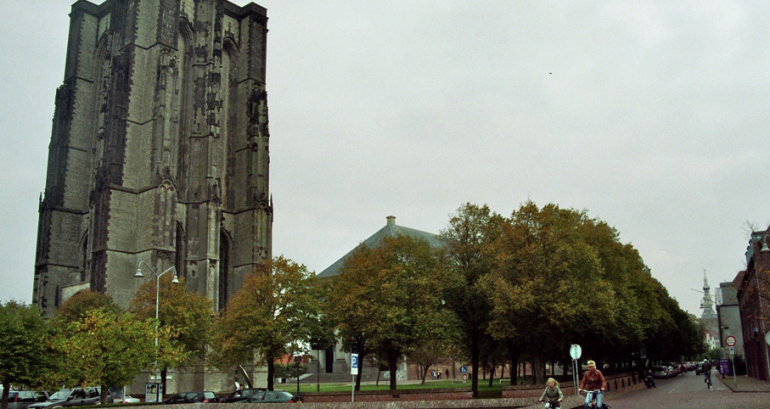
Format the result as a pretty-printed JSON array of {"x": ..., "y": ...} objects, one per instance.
[{"x": 159, "y": 150}]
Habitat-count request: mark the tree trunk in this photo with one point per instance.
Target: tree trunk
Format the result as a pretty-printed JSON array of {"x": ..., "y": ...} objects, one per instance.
[
  {"x": 103, "y": 394},
  {"x": 6, "y": 391},
  {"x": 360, "y": 347},
  {"x": 163, "y": 377},
  {"x": 358, "y": 378},
  {"x": 565, "y": 369},
  {"x": 538, "y": 370},
  {"x": 514, "y": 354},
  {"x": 270, "y": 374},
  {"x": 492, "y": 375},
  {"x": 392, "y": 366},
  {"x": 475, "y": 367}
]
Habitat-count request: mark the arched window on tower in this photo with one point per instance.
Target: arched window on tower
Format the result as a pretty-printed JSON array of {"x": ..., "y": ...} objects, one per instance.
[
  {"x": 224, "y": 270},
  {"x": 84, "y": 271},
  {"x": 179, "y": 261}
]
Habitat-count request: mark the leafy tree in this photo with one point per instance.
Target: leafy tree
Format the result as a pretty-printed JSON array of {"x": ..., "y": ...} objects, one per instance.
[
  {"x": 84, "y": 301},
  {"x": 25, "y": 346},
  {"x": 275, "y": 312},
  {"x": 548, "y": 283},
  {"x": 391, "y": 294},
  {"x": 437, "y": 345},
  {"x": 342, "y": 303},
  {"x": 108, "y": 348},
  {"x": 469, "y": 238},
  {"x": 185, "y": 314}
]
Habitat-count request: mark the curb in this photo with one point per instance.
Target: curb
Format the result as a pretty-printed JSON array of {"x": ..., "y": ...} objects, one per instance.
[{"x": 733, "y": 389}]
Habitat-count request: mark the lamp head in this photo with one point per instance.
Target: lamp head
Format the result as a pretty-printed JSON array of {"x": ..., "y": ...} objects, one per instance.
[
  {"x": 175, "y": 280},
  {"x": 764, "y": 248},
  {"x": 139, "y": 272}
]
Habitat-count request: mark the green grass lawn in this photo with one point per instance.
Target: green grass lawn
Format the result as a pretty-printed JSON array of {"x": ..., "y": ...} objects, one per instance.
[{"x": 485, "y": 391}]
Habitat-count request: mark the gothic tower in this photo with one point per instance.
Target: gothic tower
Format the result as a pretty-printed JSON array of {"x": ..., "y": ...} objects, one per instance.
[{"x": 159, "y": 150}]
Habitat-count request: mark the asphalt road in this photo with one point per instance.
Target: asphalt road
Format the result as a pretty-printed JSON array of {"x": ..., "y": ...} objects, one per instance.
[{"x": 688, "y": 392}]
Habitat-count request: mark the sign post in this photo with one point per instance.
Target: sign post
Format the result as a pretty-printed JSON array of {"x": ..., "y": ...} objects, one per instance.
[
  {"x": 354, "y": 372},
  {"x": 575, "y": 351},
  {"x": 153, "y": 392},
  {"x": 730, "y": 341}
]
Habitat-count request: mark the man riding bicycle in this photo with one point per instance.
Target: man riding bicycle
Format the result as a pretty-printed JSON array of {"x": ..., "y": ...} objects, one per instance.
[
  {"x": 707, "y": 373},
  {"x": 593, "y": 380}
]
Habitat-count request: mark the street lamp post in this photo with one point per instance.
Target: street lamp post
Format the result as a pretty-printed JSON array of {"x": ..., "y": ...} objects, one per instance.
[
  {"x": 298, "y": 360},
  {"x": 157, "y": 304}
]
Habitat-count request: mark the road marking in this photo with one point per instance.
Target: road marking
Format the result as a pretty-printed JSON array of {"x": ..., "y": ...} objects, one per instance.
[{"x": 674, "y": 389}]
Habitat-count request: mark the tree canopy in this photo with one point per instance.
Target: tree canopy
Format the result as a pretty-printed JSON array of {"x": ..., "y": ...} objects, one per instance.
[
  {"x": 186, "y": 315},
  {"x": 26, "y": 346},
  {"x": 469, "y": 237},
  {"x": 107, "y": 348},
  {"x": 77, "y": 306},
  {"x": 391, "y": 295},
  {"x": 275, "y": 312}
]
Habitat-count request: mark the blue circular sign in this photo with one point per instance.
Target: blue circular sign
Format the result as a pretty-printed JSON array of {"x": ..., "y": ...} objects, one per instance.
[{"x": 463, "y": 369}]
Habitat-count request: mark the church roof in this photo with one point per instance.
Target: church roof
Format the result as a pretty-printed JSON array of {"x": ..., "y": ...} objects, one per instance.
[{"x": 390, "y": 230}]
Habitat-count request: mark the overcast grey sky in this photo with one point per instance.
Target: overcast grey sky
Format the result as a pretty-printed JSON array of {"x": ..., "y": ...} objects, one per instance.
[{"x": 652, "y": 116}]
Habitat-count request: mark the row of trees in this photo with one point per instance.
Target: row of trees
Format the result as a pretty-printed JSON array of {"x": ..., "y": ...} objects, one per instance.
[
  {"x": 503, "y": 288},
  {"x": 499, "y": 290},
  {"x": 91, "y": 341}
]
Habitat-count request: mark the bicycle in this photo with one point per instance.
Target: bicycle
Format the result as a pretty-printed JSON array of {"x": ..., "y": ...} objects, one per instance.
[
  {"x": 551, "y": 404},
  {"x": 592, "y": 400}
]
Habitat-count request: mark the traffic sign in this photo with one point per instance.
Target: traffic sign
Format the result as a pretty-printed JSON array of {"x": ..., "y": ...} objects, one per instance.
[
  {"x": 575, "y": 351},
  {"x": 354, "y": 364},
  {"x": 732, "y": 351},
  {"x": 463, "y": 369},
  {"x": 730, "y": 341}
]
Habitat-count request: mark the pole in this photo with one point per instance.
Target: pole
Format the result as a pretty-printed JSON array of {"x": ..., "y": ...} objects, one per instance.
[
  {"x": 575, "y": 376},
  {"x": 157, "y": 325},
  {"x": 318, "y": 372},
  {"x": 353, "y": 389},
  {"x": 298, "y": 361},
  {"x": 735, "y": 378},
  {"x": 158, "y": 396}
]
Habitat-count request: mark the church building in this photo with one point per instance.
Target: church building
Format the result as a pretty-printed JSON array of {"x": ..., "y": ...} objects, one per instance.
[{"x": 159, "y": 151}]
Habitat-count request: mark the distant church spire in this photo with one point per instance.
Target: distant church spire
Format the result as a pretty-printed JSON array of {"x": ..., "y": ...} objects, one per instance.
[{"x": 707, "y": 305}]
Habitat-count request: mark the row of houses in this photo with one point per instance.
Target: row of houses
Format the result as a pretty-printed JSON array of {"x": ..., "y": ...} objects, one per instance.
[{"x": 742, "y": 310}]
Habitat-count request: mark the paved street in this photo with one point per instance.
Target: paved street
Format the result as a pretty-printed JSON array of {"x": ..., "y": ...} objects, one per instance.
[{"x": 689, "y": 391}]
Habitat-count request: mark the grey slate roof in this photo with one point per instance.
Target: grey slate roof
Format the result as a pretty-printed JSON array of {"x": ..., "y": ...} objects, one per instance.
[{"x": 390, "y": 229}]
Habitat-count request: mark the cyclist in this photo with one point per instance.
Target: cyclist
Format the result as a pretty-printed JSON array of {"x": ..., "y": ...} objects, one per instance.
[
  {"x": 707, "y": 373},
  {"x": 593, "y": 380},
  {"x": 552, "y": 394}
]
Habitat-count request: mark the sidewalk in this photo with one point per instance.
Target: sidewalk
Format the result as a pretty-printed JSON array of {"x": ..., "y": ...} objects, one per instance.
[{"x": 744, "y": 384}]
